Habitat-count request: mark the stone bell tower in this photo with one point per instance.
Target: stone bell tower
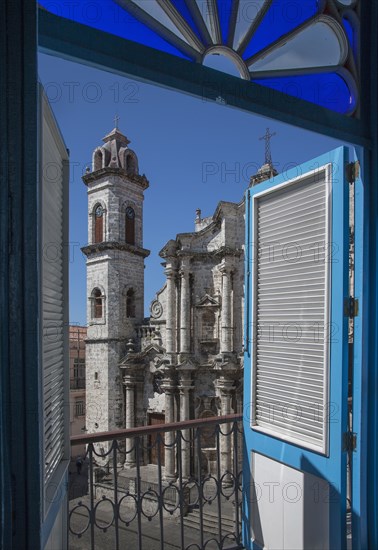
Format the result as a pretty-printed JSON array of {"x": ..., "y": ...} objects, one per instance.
[{"x": 115, "y": 274}]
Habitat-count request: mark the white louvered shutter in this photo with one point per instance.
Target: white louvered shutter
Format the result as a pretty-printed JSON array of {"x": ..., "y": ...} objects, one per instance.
[
  {"x": 54, "y": 292},
  {"x": 291, "y": 309}
]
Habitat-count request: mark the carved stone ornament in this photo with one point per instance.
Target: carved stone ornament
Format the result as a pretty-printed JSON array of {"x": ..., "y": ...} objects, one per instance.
[{"x": 156, "y": 309}]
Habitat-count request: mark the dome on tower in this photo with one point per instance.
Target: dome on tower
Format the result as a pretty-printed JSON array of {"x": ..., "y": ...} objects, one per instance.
[{"x": 115, "y": 153}]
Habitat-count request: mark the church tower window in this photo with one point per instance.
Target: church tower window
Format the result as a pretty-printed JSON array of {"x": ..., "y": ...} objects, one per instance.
[
  {"x": 99, "y": 224},
  {"x": 130, "y": 226},
  {"x": 97, "y": 303},
  {"x": 130, "y": 303},
  {"x": 130, "y": 165},
  {"x": 97, "y": 160}
]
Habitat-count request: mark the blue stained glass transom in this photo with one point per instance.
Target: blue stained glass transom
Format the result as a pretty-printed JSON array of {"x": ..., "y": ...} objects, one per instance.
[
  {"x": 182, "y": 8},
  {"x": 224, "y": 14},
  {"x": 188, "y": 28},
  {"x": 351, "y": 35},
  {"x": 108, "y": 16},
  {"x": 281, "y": 18},
  {"x": 328, "y": 90}
]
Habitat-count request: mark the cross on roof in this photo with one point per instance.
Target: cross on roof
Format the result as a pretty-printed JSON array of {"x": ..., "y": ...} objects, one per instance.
[
  {"x": 116, "y": 119},
  {"x": 267, "y": 138}
]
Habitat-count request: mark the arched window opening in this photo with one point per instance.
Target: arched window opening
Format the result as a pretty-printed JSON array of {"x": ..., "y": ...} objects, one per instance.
[
  {"x": 130, "y": 303},
  {"x": 208, "y": 435},
  {"x": 208, "y": 326},
  {"x": 130, "y": 165},
  {"x": 99, "y": 224},
  {"x": 97, "y": 303},
  {"x": 130, "y": 226},
  {"x": 97, "y": 160}
]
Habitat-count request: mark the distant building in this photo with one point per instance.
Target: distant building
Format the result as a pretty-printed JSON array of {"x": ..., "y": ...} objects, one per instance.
[
  {"x": 77, "y": 337},
  {"x": 186, "y": 360}
]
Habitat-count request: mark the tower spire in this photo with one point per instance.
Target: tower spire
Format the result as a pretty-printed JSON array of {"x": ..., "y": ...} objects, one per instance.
[
  {"x": 268, "y": 154},
  {"x": 116, "y": 120}
]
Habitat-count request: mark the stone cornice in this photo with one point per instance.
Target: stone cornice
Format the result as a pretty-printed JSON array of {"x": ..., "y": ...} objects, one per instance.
[
  {"x": 102, "y": 340},
  {"x": 135, "y": 178},
  {"x": 193, "y": 254},
  {"x": 218, "y": 253},
  {"x": 113, "y": 245}
]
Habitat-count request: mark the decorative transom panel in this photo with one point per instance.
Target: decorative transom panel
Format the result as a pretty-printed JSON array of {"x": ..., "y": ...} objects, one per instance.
[{"x": 304, "y": 48}]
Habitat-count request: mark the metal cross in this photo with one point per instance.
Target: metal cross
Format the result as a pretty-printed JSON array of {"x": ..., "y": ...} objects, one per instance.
[
  {"x": 116, "y": 119},
  {"x": 267, "y": 138}
]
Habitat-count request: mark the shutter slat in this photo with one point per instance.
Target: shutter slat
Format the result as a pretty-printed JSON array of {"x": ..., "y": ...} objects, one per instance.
[
  {"x": 290, "y": 373},
  {"x": 269, "y": 246},
  {"x": 291, "y": 234},
  {"x": 291, "y": 207},
  {"x": 312, "y": 391},
  {"x": 283, "y": 200},
  {"x": 292, "y": 413},
  {"x": 278, "y": 357},
  {"x": 306, "y": 219},
  {"x": 296, "y": 264},
  {"x": 290, "y": 283}
]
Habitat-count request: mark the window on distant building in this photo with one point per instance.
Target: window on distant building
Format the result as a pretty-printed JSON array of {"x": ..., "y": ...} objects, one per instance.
[
  {"x": 130, "y": 303},
  {"x": 79, "y": 407},
  {"x": 131, "y": 165},
  {"x": 130, "y": 226},
  {"x": 97, "y": 304},
  {"x": 78, "y": 380},
  {"x": 98, "y": 224},
  {"x": 98, "y": 159}
]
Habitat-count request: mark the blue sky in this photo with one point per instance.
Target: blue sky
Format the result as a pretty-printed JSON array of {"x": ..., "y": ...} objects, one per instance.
[{"x": 194, "y": 153}]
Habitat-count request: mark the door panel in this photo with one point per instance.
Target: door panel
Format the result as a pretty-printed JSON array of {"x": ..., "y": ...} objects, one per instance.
[
  {"x": 296, "y": 360},
  {"x": 154, "y": 419}
]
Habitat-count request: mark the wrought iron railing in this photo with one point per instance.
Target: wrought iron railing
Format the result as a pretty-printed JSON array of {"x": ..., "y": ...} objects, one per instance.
[{"x": 127, "y": 503}]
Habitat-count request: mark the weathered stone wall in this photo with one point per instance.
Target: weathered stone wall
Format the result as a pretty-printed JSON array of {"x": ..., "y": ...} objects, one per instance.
[{"x": 104, "y": 398}]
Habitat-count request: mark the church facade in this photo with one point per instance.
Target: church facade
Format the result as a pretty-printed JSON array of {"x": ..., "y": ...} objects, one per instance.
[{"x": 186, "y": 360}]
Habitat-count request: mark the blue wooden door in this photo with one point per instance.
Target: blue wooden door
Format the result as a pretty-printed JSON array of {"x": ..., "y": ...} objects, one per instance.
[{"x": 296, "y": 357}]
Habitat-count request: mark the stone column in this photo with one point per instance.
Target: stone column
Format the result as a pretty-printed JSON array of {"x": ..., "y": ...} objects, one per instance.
[
  {"x": 169, "y": 451},
  {"x": 129, "y": 383},
  {"x": 184, "y": 310},
  {"x": 226, "y": 313},
  {"x": 225, "y": 387},
  {"x": 170, "y": 272},
  {"x": 185, "y": 387}
]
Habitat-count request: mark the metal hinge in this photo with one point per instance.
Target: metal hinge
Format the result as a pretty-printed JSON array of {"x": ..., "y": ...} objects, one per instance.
[
  {"x": 352, "y": 171},
  {"x": 351, "y": 307},
  {"x": 350, "y": 441}
]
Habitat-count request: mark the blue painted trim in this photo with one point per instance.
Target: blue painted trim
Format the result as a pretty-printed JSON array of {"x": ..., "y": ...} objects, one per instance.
[
  {"x": 360, "y": 367},
  {"x": 369, "y": 113},
  {"x": 78, "y": 42},
  {"x": 246, "y": 536},
  {"x": 371, "y": 301},
  {"x": 333, "y": 466},
  {"x": 247, "y": 260}
]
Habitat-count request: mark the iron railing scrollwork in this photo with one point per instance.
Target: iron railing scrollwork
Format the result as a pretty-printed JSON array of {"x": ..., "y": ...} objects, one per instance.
[{"x": 198, "y": 504}]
